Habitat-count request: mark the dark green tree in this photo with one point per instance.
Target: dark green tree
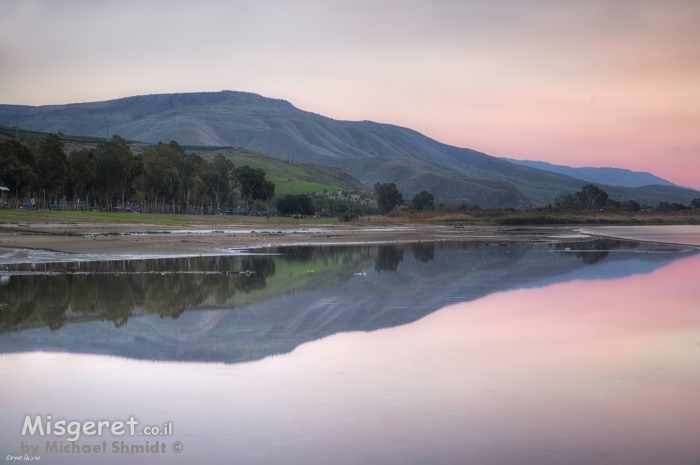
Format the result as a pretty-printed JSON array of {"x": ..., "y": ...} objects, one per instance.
[
  {"x": 670, "y": 207},
  {"x": 116, "y": 169},
  {"x": 52, "y": 166},
  {"x": 160, "y": 177},
  {"x": 82, "y": 171},
  {"x": 296, "y": 205},
  {"x": 16, "y": 176},
  {"x": 590, "y": 197},
  {"x": 388, "y": 196},
  {"x": 211, "y": 178},
  {"x": 630, "y": 206},
  {"x": 423, "y": 201},
  {"x": 587, "y": 198},
  {"x": 695, "y": 203},
  {"x": 192, "y": 167},
  {"x": 223, "y": 193},
  {"x": 22, "y": 152},
  {"x": 177, "y": 174},
  {"x": 306, "y": 205},
  {"x": 199, "y": 192},
  {"x": 288, "y": 205},
  {"x": 253, "y": 185},
  {"x": 566, "y": 202}
]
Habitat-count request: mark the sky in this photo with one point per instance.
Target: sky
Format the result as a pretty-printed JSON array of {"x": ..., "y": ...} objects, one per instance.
[{"x": 582, "y": 83}]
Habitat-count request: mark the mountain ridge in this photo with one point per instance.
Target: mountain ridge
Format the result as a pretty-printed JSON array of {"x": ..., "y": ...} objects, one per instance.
[
  {"x": 370, "y": 151},
  {"x": 604, "y": 174}
]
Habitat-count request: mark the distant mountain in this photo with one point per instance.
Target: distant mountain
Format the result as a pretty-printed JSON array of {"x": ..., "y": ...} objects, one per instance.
[
  {"x": 609, "y": 176},
  {"x": 369, "y": 151}
]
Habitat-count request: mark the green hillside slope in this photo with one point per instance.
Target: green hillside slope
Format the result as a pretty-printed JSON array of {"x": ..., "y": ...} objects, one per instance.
[{"x": 290, "y": 177}]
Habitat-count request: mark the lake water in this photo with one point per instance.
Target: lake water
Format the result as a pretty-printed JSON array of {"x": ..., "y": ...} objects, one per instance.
[
  {"x": 675, "y": 234},
  {"x": 441, "y": 353}
]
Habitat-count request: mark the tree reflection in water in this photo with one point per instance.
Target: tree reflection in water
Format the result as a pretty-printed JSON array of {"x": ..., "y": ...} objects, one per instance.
[
  {"x": 591, "y": 252},
  {"x": 288, "y": 296},
  {"x": 115, "y": 297},
  {"x": 114, "y": 291},
  {"x": 388, "y": 258},
  {"x": 423, "y": 251}
]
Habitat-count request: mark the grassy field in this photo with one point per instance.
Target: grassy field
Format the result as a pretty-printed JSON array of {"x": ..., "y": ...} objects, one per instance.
[
  {"x": 297, "y": 186},
  {"x": 292, "y": 178}
]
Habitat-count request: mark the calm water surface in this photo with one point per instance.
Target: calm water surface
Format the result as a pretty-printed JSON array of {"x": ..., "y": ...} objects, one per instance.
[
  {"x": 574, "y": 353},
  {"x": 676, "y": 234}
]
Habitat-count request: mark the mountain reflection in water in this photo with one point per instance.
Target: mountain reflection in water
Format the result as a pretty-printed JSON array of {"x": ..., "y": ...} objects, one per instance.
[{"x": 240, "y": 308}]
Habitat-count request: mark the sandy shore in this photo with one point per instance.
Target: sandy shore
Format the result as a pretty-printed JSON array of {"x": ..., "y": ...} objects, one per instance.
[
  {"x": 41, "y": 242},
  {"x": 62, "y": 242}
]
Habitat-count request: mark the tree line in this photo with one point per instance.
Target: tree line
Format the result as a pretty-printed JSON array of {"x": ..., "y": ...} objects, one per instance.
[
  {"x": 591, "y": 197},
  {"x": 163, "y": 178},
  {"x": 389, "y": 197}
]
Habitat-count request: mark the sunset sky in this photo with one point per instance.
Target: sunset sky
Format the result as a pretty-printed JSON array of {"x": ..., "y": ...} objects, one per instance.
[{"x": 582, "y": 83}]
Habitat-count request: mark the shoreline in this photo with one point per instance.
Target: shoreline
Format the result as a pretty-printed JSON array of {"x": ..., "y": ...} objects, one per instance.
[
  {"x": 55, "y": 243},
  {"x": 27, "y": 245},
  {"x": 679, "y": 235}
]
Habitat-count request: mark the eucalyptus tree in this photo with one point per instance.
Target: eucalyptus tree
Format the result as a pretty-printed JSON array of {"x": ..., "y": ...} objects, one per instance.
[
  {"x": 17, "y": 165},
  {"x": 388, "y": 196},
  {"x": 210, "y": 177},
  {"x": 23, "y": 153},
  {"x": 253, "y": 185},
  {"x": 198, "y": 192},
  {"x": 192, "y": 185},
  {"x": 82, "y": 171},
  {"x": 161, "y": 179},
  {"x": 227, "y": 182},
  {"x": 52, "y": 166},
  {"x": 116, "y": 169},
  {"x": 423, "y": 201}
]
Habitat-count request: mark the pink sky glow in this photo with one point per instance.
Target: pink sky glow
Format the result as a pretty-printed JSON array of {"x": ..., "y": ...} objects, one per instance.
[{"x": 595, "y": 83}]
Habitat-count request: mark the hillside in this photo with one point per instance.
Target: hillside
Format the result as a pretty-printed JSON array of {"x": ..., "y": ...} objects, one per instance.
[
  {"x": 291, "y": 177},
  {"x": 70, "y": 142},
  {"x": 369, "y": 151},
  {"x": 610, "y": 176}
]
